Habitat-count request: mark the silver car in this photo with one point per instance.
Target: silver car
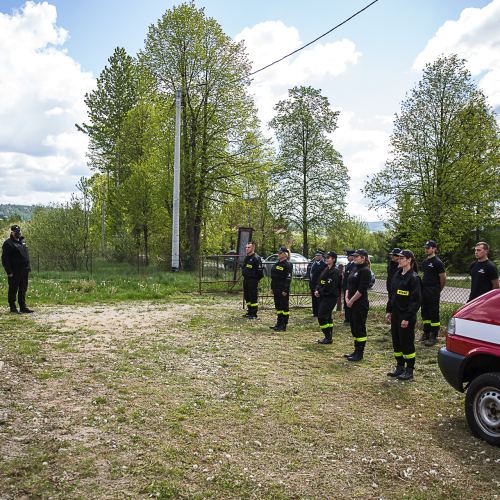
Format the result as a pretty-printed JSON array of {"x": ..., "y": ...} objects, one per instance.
[{"x": 299, "y": 264}]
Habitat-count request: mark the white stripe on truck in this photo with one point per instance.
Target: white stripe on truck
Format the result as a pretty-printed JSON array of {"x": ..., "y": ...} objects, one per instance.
[{"x": 478, "y": 331}]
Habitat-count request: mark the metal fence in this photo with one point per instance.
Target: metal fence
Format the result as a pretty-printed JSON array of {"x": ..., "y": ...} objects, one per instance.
[
  {"x": 98, "y": 261},
  {"x": 222, "y": 273}
]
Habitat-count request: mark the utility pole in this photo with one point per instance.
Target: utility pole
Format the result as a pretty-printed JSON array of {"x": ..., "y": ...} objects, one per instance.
[{"x": 177, "y": 165}]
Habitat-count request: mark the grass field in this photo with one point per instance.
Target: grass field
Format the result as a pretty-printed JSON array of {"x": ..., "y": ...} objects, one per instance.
[{"x": 178, "y": 396}]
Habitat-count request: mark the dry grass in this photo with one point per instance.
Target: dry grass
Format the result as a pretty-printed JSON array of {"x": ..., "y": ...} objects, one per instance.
[{"x": 190, "y": 400}]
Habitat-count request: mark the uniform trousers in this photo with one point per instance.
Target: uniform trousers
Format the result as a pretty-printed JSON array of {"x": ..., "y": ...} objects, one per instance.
[
  {"x": 431, "y": 296},
  {"x": 250, "y": 287},
  {"x": 325, "y": 319},
  {"x": 281, "y": 303},
  {"x": 403, "y": 339},
  {"x": 358, "y": 315},
  {"x": 346, "y": 310},
  {"x": 18, "y": 284}
]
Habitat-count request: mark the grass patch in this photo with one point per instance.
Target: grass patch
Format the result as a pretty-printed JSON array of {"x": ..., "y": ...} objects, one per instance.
[{"x": 202, "y": 403}]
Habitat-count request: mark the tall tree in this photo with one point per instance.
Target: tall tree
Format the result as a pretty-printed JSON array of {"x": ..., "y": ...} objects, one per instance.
[
  {"x": 442, "y": 179},
  {"x": 312, "y": 182},
  {"x": 188, "y": 50}
]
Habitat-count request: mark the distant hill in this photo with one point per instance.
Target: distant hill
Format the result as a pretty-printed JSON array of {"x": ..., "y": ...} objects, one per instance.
[
  {"x": 377, "y": 226},
  {"x": 24, "y": 211}
]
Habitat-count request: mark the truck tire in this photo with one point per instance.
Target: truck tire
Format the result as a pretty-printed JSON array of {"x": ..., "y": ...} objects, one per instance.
[{"x": 482, "y": 407}]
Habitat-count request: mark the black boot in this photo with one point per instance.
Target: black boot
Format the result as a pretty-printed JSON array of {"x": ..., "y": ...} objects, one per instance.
[
  {"x": 13, "y": 310},
  {"x": 328, "y": 336},
  {"x": 26, "y": 310},
  {"x": 354, "y": 352},
  {"x": 398, "y": 371},
  {"x": 282, "y": 327},
  {"x": 358, "y": 353},
  {"x": 406, "y": 375},
  {"x": 278, "y": 323}
]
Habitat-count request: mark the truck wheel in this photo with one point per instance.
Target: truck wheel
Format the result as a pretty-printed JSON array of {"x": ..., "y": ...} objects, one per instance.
[{"x": 482, "y": 407}]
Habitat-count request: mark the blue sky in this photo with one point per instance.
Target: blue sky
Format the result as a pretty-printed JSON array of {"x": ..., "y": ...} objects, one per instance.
[{"x": 51, "y": 53}]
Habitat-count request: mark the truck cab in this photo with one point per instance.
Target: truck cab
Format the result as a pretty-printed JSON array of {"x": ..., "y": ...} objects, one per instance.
[{"x": 472, "y": 357}]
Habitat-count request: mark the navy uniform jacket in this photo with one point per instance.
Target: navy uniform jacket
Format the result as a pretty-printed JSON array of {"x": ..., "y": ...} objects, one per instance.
[
  {"x": 347, "y": 271},
  {"x": 317, "y": 267}
]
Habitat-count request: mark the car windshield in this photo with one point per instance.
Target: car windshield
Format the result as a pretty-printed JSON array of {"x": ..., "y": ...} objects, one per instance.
[{"x": 272, "y": 258}]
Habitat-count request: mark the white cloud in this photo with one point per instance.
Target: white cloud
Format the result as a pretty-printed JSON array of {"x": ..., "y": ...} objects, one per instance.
[
  {"x": 270, "y": 40},
  {"x": 475, "y": 37},
  {"x": 41, "y": 98}
]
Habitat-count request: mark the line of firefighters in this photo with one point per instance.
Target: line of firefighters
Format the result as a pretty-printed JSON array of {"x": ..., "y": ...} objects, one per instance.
[{"x": 407, "y": 293}]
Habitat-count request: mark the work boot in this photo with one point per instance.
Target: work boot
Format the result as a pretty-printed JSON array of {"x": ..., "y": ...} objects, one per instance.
[
  {"x": 432, "y": 339},
  {"x": 252, "y": 316},
  {"x": 13, "y": 310},
  {"x": 247, "y": 315},
  {"x": 406, "y": 375},
  {"x": 26, "y": 310},
  {"x": 325, "y": 341},
  {"x": 398, "y": 371},
  {"x": 358, "y": 352},
  {"x": 425, "y": 336},
  {"x": 281, "y": 328},
  {"x": 277, "y": 325},
  {"x": 354, "y": 352}
]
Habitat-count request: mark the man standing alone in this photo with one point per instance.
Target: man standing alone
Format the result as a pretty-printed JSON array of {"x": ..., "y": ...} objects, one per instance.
[
  {"x": 252, "y": 273},
  {"x": 16, "y": 262},
  {"x": 433, "y": 282},
  {"x": 484, "y": 274}
]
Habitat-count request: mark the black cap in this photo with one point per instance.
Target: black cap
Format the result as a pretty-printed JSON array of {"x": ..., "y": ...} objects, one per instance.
[
  {"x": 319, "y": 252},
  {"x": 350, "y": 252},
  {"x": 283, "y": 249},
  {"x": 331, "y": 254},
  {"x": 406, "y": 253},
  {"x": 395, "y": 251},
  {"x": 15, "y": 228},
  {"x": 362, "y": 252},
  {"x": 430, "y": 244}
]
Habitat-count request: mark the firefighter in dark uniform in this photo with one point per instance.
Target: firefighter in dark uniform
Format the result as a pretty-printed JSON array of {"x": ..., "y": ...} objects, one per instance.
[
  {"x": 392, "y": 267},
  {"x": 328, "y": 290},
  {"x": 317, "y": 267},
  {"x": 484, "y": 274},
  {"x": 16, "y": 262},
  {"x": 433, "y": 282},
  {"x": 357, "y": 301},
  {"x": 281, "y": 278},
  {"x": 252, "y": 274},
  {"x": 402, "y": 308},
  {"x": 347, "y": 271}
]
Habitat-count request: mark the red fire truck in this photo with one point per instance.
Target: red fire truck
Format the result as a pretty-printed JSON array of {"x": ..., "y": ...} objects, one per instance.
[{"x": 472, "y": 357}]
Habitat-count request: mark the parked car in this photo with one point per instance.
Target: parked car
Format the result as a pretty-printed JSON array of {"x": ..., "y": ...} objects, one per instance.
[
  {"x": 342, "y": 260},
  {"x": 229, "y": 261},
  {"x": 472, "y": 356},
  {"x": 299, "y": 264}
]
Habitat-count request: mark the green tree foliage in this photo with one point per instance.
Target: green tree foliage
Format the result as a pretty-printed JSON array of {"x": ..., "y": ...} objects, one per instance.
[
  {"x": 60, "y": 233},
  {"x": 311, "y": 183},
  {"x": 442, "y": 180},
  {"x": 188, "y": 50}
]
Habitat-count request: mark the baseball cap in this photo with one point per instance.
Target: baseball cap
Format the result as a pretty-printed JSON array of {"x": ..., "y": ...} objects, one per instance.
[
  {"x": 331, "y": 254},
  {"x": 406, "y": 253},
  {"x": 395, "y": 251},
  {"x": 15, "y": 228},
  {"x": 362, "y": 252},
  {"x": 430, "y": 244},
  {"x": 283, "y": 249}
]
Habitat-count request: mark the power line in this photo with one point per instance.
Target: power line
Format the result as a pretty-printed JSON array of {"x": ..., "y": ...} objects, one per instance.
[{"x": 310, "y": 43}]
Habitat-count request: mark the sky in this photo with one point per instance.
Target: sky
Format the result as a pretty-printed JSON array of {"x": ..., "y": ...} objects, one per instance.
[{"x": 51, "y": 54}]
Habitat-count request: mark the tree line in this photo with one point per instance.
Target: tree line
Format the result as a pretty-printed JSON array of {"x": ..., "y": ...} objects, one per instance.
[{"x": 440, "y": 181}]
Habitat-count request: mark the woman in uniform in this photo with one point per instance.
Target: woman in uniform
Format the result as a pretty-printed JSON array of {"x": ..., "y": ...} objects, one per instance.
[
  {"x": 281, "y": 278},
  {"x": 328, "y": 290},
  {"x": 357, "y": 301},
  {"x": 402, "y": 307}
]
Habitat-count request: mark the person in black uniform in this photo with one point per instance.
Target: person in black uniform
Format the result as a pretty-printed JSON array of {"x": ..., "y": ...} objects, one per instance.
[
  {"x": 252, "y": 273},
  {"x": 401, "y": 313},
  {"x": 347, "y": 271},
  {"x": 392, "y": 267},
  {"x": 433, "y": 282},
  {"x": 317, "y": 267},
  {"x": 16, "y": 262},
  {"x": 484, "y": 274},
  {"x": 328, "y": 290},
  {"x": 281, "y": 278},
  {"x": 357, "y": 301}
]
